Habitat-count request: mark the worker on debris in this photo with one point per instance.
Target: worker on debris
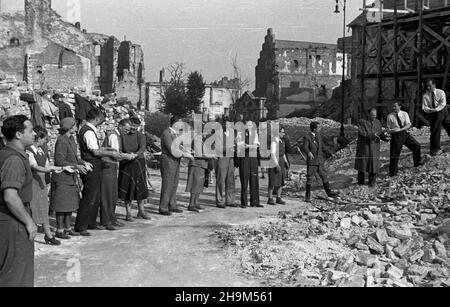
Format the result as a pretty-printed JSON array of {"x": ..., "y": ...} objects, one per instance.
[
  {"x": 435, "y": 104},
  {"x": 314, "y": 147},
  {"x": 368, "y": 149},
  {"x": 398, "y": 124}
]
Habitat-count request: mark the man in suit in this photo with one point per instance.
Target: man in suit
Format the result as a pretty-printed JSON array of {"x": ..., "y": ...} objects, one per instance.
[
  {"x": 398, "y": 124},
  {"x": 314, "y": 147},
  {"x": 170, "y": 169},
  {"x": 435, "y": 104},
  {"x": 247, "y": 145}
]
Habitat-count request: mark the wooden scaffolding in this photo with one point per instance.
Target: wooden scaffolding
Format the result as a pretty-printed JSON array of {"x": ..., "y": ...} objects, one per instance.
[{"x": 402, "y": 52}]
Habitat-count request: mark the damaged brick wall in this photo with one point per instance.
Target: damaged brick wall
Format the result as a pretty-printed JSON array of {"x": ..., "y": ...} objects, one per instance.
[
  {"x": 39, "y": 47},
  {"x": 131, "y": 73},
  {"x": 297, "y": 73}
]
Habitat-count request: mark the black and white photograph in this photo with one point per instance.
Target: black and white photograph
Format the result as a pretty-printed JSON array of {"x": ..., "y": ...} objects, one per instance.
[{"x": 224, "y": 149}]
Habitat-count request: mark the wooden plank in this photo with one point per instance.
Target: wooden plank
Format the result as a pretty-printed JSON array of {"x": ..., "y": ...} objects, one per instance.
[
  {"x": 443, "y": 40},
  {"x": 363, "y": 71},
  {"x": 396, "y": 82},
  {"x": 420, "y": 56},
  {"x": 380, "y": 62},
  {"x": 447, "y": 71}
]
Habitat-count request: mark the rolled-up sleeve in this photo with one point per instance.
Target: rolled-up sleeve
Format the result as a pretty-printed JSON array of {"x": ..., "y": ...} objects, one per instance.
[
  {"x": 12, "y": 174},
  {"x": 31, "y": 159},
  {"x": 91, "y": 140}
]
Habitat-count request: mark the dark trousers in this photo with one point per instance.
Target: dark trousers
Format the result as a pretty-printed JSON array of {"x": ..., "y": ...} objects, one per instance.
[
  {"x": 16, "y": 253},
  {"x": 397, "y": 142},
  {"x": 90, "y": 202},
  {"x": 314, "y": 170},
  {"x": 170, "y": 173},
  {"x": 248, "y": 174},
  {"x": 437, "y": 121},
  {"x": 225, "y": 186},
  {"x": 109, "y": 194},
  {"x": 362, "y": 178}
]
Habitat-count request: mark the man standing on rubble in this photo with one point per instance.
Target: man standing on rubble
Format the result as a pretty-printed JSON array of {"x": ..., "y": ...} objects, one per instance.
[
  {"x": 313, "y": 146},
  {"x": 368, "y": 149},
  {"x": 435, "y": 104},
  {"x": 398, "y": 124}
]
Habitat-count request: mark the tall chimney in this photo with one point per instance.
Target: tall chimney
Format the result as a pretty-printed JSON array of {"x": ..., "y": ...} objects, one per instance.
[
  {"x": 162, "y": 75},
  {"x": 37, "y": 13}
]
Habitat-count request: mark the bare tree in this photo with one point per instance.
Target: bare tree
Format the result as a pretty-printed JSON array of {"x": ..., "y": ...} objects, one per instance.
[
  {"x": 177, "y": 73},
  {"x": 242, "y": 82}
]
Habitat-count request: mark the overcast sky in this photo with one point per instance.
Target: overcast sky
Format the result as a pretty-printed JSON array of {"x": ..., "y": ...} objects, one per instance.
[{"x": 204, "y": 33}]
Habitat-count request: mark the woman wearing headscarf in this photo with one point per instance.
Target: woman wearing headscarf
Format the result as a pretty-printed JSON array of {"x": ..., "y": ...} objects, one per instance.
[
  {"x": 66, "y": 187},
  {"x": 40, "y": 166},
  {"x": 132, "y": 174}
]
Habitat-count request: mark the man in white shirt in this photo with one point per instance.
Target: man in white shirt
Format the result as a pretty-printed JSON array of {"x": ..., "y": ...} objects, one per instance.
[
  {"x": 92, "y": 153},
  {"x": 398, "y": 124},
  {"x": 110, "y": 173},
  {"x": 435, "y": 104}
]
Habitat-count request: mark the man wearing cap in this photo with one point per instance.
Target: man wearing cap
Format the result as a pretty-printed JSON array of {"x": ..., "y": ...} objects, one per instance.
[
  {"x": 17, "y": 228},
  {"x": 91, "y": 153}
]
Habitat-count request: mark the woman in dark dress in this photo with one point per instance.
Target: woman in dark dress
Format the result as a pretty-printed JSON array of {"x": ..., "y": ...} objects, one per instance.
[
  {"x": 133, "y": 173},
  {"x": 66, "y": 187},
  {"x": 277, "y": 175}
]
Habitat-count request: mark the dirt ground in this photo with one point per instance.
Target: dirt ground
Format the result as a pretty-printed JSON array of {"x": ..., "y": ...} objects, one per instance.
[{"x": 179, "y": 251}]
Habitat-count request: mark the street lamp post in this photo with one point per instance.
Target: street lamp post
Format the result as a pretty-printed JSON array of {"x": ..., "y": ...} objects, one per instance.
[{"x": 344, "y": 10}]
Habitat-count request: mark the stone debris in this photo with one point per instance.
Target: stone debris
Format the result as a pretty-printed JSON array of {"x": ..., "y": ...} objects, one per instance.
[{"x": 397, "y": 233}]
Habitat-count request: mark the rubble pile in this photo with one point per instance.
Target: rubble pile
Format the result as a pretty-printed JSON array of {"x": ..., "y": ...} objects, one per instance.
[
  {"x": 394, "y": 235},
  {"x": 10, "y": 103},
  {"x": 297, "y": 128}
]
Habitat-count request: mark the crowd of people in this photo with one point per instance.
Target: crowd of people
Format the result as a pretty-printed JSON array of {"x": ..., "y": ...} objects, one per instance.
[{"x": 90, "y": 178}]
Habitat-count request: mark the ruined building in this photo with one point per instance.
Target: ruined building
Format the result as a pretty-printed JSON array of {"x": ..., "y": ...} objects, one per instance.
[
  {"x": 392, "y": 59},
  {"x": 131, "y": 72},
  {"x": 39, "y": 47},
  {"x": 294, "y": 74},
  {"x": 218, "y": 100}
]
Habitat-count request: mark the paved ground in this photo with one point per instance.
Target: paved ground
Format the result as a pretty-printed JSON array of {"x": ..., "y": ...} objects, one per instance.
[{"x": 167, "y": 251}]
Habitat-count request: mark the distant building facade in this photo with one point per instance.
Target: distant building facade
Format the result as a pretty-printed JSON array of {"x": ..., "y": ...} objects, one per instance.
[
  {"x": 293, "y": 74},
  {"x": 217, "y": 101}
]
